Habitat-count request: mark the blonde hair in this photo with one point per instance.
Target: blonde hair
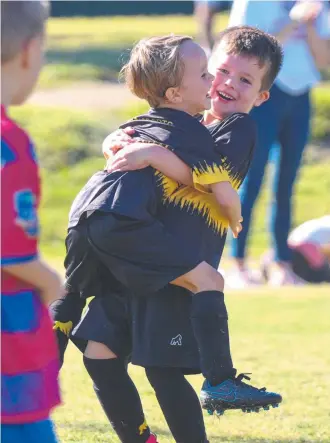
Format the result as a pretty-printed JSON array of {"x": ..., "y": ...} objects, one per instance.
[
  {"x": 154, "y": 66},
  {"x": 20, "y": 22}
]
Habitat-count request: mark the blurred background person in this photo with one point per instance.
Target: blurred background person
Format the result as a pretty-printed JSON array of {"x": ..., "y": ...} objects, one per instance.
[
  {"x": 310, "y": 257},
  {"x": 205, "y": 11},
  {"x": 304, "y": 30}
]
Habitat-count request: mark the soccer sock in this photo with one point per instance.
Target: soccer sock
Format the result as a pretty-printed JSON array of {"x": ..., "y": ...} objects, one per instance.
[
  {"x": 210, "y": 325},
  {"x": 179, "y": 403},
  {"x": 63, "y": 311},
  {"x": 119, "y": 398}
]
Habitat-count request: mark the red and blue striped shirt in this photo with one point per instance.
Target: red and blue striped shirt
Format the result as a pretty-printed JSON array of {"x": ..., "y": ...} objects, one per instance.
[{"x": 29, "y": 363}]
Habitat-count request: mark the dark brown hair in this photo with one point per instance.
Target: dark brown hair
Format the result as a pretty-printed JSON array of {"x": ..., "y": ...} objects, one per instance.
[{"x": 249, "y": 41}]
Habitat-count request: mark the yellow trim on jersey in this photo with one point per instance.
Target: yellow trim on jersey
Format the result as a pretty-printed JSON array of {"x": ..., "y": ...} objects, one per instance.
[
  {"x": 207, "y": 175},
  {"x": 190, "y": 199}
]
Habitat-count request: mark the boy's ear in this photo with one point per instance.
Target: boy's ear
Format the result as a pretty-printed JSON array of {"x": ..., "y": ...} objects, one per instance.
[
  {"x": 173, "y": 95},
  {"x": 262, "y": 97},
  {"x": 27, "y": 53}
]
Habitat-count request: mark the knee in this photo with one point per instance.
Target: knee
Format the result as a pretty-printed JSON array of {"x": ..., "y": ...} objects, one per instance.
[
  {"x": 98, "y": 351},
  {"x": 207, "y": 278},
  {"x": 160, "y": 378}
]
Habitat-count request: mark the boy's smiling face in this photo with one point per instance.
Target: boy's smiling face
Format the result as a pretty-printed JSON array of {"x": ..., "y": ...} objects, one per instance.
[{"x": 237, "y": 86}]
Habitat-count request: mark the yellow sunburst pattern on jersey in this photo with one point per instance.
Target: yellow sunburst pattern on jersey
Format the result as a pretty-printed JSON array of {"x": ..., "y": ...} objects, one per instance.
[
  {"x": 206, "y": 174},
  {"x": 199, "y": 199}
]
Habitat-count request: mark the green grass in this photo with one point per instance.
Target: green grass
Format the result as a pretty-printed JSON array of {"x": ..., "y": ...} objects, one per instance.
[
  {"x": 96, "y": 48},
  {"x": 59, "y": 189},
  {"x": 283, "y": 338}
]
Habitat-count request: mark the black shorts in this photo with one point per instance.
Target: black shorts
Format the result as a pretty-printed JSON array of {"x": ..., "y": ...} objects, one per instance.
[
  {"x": 162, "y": 332},
  {"x": 107, "y": 320},
  {"x": 141, "y": 256},
  {"x": 153, "y": 330}
]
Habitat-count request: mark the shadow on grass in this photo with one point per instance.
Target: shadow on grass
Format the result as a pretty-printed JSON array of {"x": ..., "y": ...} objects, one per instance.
[
  {"x": 110, "y": 60},
  {"x": 94, "y": 426}
]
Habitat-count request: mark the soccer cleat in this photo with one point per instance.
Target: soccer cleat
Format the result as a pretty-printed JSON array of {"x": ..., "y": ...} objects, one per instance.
[{"x": 233, "y": 393}]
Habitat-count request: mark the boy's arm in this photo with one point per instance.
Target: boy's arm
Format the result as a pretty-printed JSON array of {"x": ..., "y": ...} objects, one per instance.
[
  {"x": 38, "y": 274},
  {"x": 230, "y": 205},
  {"x": 140, "y": 155}
]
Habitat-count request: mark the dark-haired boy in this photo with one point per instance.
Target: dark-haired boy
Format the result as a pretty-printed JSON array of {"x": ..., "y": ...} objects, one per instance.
[{"x": 165, "y": 369}]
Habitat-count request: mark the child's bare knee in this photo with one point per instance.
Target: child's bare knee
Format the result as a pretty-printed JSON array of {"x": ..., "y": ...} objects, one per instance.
[
  {"x": 205, "y": 278},
  {"x": 98, "y": 351}
]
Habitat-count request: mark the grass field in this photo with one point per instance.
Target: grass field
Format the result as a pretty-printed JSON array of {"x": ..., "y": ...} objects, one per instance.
[
  {"x": 311, "y": 200},
  {"x": 283, "y": 338},
  {"x": 95, "y": 49}
]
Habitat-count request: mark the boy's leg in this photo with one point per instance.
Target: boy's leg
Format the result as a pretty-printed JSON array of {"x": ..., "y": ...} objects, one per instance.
[
  {"x": 179, "y": 403},
  {"x": 106, "y": 327},
  {"x": 209, "y": 321},
  {"x": 117, "y": 393},
  {"x": 83, "y": 280},
  {"x": 66, "y": 314},
  {"x": 293, "y": 139}
]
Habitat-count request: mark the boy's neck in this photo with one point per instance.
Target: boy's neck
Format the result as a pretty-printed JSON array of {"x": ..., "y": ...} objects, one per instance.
[{"x": 209, "y": 118}]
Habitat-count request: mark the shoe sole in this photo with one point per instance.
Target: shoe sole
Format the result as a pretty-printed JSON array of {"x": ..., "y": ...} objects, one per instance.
[{"x": 219, "y": 407}]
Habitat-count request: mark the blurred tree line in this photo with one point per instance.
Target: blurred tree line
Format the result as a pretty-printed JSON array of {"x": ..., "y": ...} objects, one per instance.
[{"x": 93, "y": 8}]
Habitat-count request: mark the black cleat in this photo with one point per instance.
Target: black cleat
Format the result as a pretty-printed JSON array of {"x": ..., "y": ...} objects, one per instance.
[{"x": 233, "y": 393}]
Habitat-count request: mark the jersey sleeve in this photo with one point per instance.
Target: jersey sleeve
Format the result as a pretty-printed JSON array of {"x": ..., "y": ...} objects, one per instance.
[
  {"x": 234, "y": 139},
  {"x": 19, "y": 220}
]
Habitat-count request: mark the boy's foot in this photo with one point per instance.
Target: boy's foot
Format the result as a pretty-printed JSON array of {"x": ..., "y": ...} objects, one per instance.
[
  {"x": 233, "y": 393},
  {"x": 281, "y": 275},
  {"x": 242, "y": 279}
]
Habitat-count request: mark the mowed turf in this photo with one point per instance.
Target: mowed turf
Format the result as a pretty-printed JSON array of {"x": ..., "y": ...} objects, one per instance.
[{"x": 281, "y": 336}]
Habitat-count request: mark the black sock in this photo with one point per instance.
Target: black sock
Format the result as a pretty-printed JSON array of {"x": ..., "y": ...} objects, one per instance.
[
  {"x": 179, "y": 403},
  {"x": 119, "y": 398},
  {"x": 68, "y": 308},
  {"x": 210, "y": 325}
]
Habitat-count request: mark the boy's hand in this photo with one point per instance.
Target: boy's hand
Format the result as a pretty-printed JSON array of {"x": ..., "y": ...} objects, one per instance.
[
  {"x": 305, "y": 11},
  {"x": 236, "y": 227},
  {"x": 117, "y": 140},
  {"x": 131, "y": 157}
]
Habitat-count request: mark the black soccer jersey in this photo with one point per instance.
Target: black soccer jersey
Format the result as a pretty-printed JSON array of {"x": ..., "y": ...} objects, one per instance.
[{"x": 182, "y": 222}]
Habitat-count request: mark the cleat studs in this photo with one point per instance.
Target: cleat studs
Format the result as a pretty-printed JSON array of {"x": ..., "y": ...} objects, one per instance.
[
  {"x": 243, "y": 409},
  {"x": 210, "y": 412},
  {"x": 256, "y": 410},
  {"x": 249, "y": 410},
  {"x": 266, "y": 408},
  {"x": 276, "y": 405},
  {"x": 219, "y": 412}
]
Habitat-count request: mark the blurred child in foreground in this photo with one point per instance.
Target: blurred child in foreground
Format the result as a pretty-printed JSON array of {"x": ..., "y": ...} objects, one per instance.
[{"x": 29, "y": 366}]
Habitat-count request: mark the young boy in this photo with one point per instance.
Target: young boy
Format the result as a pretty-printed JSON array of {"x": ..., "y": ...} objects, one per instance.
[
  {"x": 100, "y": 200},
  {"x": 29, "y": 366},
  {"x": 236, "y": 86}
]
